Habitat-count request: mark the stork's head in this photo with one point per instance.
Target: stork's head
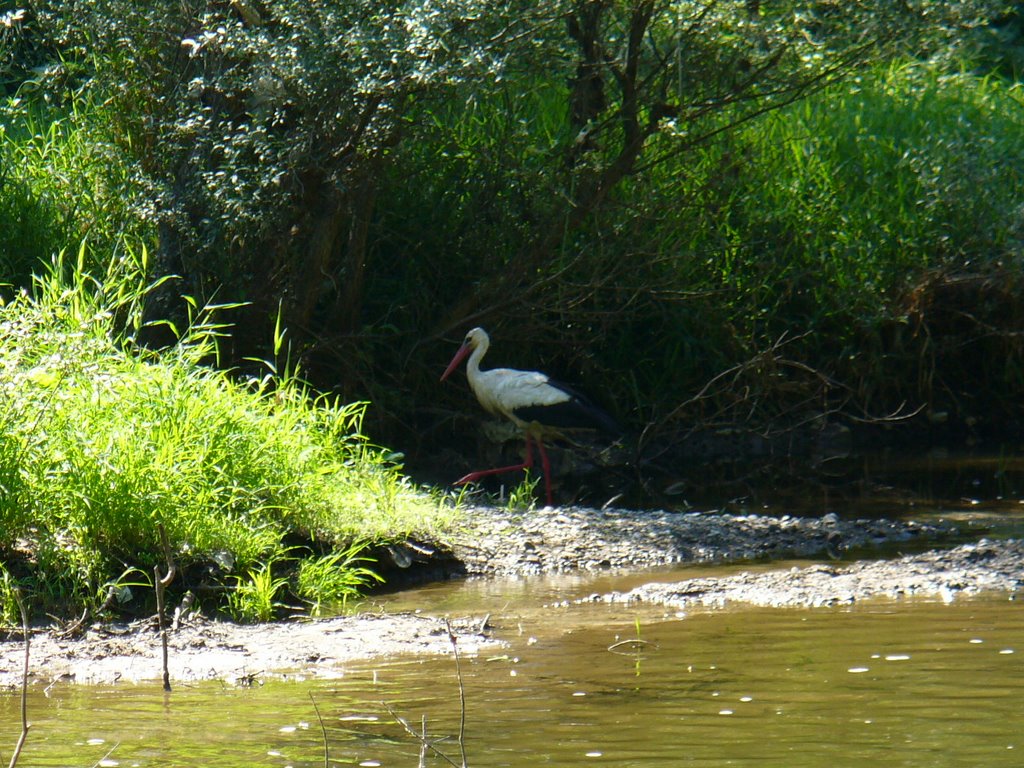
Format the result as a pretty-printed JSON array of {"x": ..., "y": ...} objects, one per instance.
[{"x": 475, "y": 339}]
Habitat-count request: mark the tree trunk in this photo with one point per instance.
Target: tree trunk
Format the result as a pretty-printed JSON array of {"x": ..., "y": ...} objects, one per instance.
[
  {"x": 314, "y": 265},
  {"x": 348, "y": 309}
]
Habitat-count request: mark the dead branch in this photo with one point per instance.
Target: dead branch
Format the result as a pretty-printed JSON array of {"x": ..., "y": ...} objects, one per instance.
[
  {"x": 425, "y": 743},
  {"x": 24, "y": 680},
  {"x": 160, "y": 583},
  {"x": 731, "y": 375},
  {"x": 462, "y": 691},
  {"x": 737, "y": 394},
  {"x": 323, "y": 730}
]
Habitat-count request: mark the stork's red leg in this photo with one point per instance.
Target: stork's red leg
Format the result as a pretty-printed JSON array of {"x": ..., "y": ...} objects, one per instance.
[
  {"x": 472, "y": 476},
  {"x": 547, "y": 468},
  {"x": 545, "y": 465}
]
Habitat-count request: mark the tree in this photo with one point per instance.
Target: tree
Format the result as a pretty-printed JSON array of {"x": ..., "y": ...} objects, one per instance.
[
  {"x": 654, "y": 79},
  {"x": 326, "y": 158},
  {"x": 261, "y": 128}
]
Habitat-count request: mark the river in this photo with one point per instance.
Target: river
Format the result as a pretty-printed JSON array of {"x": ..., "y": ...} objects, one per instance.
[{"x": 911, "y": 682}]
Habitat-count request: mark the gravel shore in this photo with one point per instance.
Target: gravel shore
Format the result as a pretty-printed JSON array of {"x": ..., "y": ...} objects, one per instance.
[
  {"x": 861, "y": 559},
  {"x": 556, "y": 540}
]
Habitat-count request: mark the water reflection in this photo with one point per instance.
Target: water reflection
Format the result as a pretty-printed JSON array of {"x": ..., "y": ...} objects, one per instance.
[
  {"x": 908, "y": 683},
  {"x": 891, "y": 483}
]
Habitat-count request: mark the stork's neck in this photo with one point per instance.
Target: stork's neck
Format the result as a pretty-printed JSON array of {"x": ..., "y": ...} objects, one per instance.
[{"x": 473, "y": 366}]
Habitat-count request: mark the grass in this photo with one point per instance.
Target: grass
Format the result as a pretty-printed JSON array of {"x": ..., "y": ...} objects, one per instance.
[
  {"x": 329, "y": 582},
  {"x": 64, "y": 179},
  {"x": 826, "y": 224},
  {"x": 861, "y": 189},
  {"x": 255, "y": 596},
  {"x": 102, "y": 440}
]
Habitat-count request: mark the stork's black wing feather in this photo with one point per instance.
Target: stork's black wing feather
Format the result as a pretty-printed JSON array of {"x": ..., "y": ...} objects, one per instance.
[{"x": 577, "y": 412}]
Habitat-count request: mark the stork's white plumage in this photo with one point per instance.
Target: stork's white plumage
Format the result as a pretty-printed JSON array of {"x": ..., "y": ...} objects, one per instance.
[{"x": 542, "y": 408}]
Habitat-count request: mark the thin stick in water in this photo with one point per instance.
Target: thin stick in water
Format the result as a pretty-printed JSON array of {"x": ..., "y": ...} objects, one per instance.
[
  {"x": 462, "y": 692},
  {"x": 161, "y": 583},
  {"x": 24, "y": 680},
  {"x": 323, "y": 730}
]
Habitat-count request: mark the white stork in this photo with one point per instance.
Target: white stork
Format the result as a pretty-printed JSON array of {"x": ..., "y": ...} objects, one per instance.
[{"x": 539, "y": 406}]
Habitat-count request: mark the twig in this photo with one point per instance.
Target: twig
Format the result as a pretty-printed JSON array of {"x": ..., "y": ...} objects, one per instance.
[
  {"x": 160, "y": 584},
  {"x": 462, "y": 692},
  {"x": 633, "y": 642},
  {"x": 425, "y": 743},
  {"x": 323, "y": 730},
  {"x": 24, "y": 680},
  {"x": 76, "y": 625},
  {"x": 423, "y": 740},
  {"x": 103, "y": 759}
]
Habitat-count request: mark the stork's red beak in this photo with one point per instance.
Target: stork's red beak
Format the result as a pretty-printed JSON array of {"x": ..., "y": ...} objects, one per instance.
[{"x": 459, "y": 357}]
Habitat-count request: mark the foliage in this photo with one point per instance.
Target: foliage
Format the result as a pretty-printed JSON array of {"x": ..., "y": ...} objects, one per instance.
[
  {"x": 859, "y": 198},
  {"x": 261, "y": 127},
  {"x": 103, "y": 440},
  {"x": 521, "y": 496},
  {"x": 264, "y": 129},
  {"x": 329, "y": 582},
  {"x": 702, "y": 212},
  {"x": 874, "y": 196},
  {"x": 254, "y": 597},
  {"x": 10, "y": 616},
  {"x": 614, "y": 251},
  {"x": 62, "y": 179}
]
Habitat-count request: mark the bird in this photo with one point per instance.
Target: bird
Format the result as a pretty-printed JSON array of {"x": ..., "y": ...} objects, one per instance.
[{"x": 542, "y": 408}]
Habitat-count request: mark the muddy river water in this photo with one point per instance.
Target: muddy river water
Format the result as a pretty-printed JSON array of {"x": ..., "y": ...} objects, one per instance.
[
  {"x": 930, "y": 680},
  {"x": 916, "y": 684}
]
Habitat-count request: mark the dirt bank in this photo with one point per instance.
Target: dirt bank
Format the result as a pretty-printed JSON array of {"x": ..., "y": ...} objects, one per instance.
[
  {"x": 202, "y": 649},
  {"x": 984, "y": 566},
  {"x": 499, "y": 543}
]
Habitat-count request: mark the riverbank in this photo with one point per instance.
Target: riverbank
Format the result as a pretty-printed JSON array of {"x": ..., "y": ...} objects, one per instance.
[
  {"x": 555, "y": 540},
  {"x": 498, "y": 543}
]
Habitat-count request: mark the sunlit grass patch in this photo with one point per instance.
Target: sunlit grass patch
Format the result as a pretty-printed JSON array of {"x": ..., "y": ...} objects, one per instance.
[
  {"x": 330, "y": 582},
  {"x": 861, "y": 189},
  {"x": 103, "y": 440}
]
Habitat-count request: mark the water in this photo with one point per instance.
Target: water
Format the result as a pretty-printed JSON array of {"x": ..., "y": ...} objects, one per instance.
[
  {"x": 906, "y": 683},
  {"x": 909, "y": 683}
]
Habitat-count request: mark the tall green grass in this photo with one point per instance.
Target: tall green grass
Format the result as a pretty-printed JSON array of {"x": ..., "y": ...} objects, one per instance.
[
  {"x": 103, "y": 440},
  {"x": 829, "y": 223},
  {"x": 63, "y": 178},
  {"x": 858, "y": 191}
]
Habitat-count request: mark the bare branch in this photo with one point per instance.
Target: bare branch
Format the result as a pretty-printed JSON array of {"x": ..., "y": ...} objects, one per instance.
[
  {"x": 24, "y": 679},
  {"x": 323, "y": 730},
  {"x": 423, "y": 740}
]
